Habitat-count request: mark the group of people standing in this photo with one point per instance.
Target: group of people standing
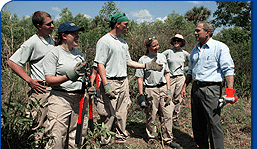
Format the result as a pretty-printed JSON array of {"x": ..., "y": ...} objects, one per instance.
[{"x": 57, "y": 70}]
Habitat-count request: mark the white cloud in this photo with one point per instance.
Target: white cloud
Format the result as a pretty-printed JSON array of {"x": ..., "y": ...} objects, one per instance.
[
  {"x": 161, "y": 19},
  {"x": 57, "y": 17},
  {"x": 195, "y": 2},
  {"x": 142, "y": 15},
  {"x": 56, "y": 9},
  {"x": 87, "y": 16}
]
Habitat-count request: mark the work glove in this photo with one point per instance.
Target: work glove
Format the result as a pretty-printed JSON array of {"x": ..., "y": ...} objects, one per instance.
[
  {"x": 185, "y": 70},
  {"x": 228, "y": 97},
  {"x": 109, "y": 91},
  {"x": 91, "y": 91},
  {"x": 153, "y": 65},
  {"x": 141, "y": 101},
  {"x": 76, "y": 72},
  {"x": 168, "y": 97}
]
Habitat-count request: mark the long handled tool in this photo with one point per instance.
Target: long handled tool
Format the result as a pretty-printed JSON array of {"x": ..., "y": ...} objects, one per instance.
[
  {"x": 97, "y": 89},
  {"x": 97, "y": 85},
  {"x": 80, "y": 118},
  {"x": 90, "y": 122},
  {"x": 85, "y": 82}
]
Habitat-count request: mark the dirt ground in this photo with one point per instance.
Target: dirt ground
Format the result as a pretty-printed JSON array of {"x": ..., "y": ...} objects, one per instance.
[{"x": 138, "y": 137}]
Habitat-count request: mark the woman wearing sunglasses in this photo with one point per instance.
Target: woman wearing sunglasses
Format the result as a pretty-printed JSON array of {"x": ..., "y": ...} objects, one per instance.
[
  {"x": 64, "y": 68},
  {"x": 156, "y": 95},
  {"x": 176, "y": 58}
]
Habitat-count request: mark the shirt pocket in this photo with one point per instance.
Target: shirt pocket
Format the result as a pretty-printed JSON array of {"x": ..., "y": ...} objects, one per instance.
[{"x": 210, "y": 62}]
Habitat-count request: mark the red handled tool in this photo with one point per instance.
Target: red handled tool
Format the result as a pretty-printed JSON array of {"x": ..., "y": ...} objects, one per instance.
[
  {"x": 97, "y": 85},
  {"x": 90, "y": 122},
  {"x": 85, "y": 82},
  {"x": 80, "y": 118}
]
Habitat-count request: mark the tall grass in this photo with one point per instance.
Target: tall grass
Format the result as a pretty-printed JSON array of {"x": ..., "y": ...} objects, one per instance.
[{"x": 16, "y": 125}]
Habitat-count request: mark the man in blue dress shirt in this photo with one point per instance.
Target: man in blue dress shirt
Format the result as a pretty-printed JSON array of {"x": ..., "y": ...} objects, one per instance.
[{"x": 210, "y": 61}]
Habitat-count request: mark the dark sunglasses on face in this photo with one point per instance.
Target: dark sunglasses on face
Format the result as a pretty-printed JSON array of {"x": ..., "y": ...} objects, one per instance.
[
  {"x": 49, "y": 24},
  {"x": 178, "y": 40},
  {"x": 150, "y": 38}
]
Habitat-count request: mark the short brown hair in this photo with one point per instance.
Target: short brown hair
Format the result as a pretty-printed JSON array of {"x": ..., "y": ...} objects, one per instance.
[{"x": 38, "y": 17}]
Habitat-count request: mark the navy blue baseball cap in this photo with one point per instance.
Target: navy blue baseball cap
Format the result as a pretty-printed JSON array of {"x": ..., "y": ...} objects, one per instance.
[{"x": 69, "y": 27}]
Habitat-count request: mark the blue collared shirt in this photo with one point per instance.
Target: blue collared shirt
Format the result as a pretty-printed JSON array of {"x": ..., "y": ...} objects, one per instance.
[{"x": 211, "y": 62}]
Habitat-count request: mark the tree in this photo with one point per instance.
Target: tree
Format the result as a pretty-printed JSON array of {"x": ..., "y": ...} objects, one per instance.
[
  {"x": 239, "y": 42},
  {"x": 231, "y": 13},
  {"x": 197, "y": 14},
  {"x": 176, "y": 20},
  {"x": 66, "y": 15},
  {"x": 102, "y": 20},
  {"x": 108, "y": 9}
]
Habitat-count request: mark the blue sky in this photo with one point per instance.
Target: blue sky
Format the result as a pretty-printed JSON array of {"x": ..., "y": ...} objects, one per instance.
[{"x": 135, "y": 10}]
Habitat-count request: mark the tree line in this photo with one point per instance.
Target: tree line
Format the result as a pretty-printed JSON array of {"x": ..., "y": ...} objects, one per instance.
[{"x": 235, "y": 14}]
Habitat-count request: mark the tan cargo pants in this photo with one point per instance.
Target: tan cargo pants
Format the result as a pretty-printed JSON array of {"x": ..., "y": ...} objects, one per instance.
[
  {"x": 155, "y": 97},
  {"x": 176, "y": 87},
  {"x": 114, "y": 111},
  {"x": 62, "y": 117}
]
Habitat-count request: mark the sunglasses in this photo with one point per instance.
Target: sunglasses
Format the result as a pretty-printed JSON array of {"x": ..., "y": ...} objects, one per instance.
[
  {"x": 124, "y": 14},
  {"x": 178, "y": 40},
  {"x": 49, "y": 24},
  {"x": 151, "y": 38}
]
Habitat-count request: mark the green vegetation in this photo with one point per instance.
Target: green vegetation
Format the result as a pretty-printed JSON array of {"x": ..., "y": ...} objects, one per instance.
[{"x": 236, "y": 118}]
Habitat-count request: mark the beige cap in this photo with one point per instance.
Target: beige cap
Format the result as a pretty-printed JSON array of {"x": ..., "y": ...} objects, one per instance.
[{"x": 179, "y": 37}]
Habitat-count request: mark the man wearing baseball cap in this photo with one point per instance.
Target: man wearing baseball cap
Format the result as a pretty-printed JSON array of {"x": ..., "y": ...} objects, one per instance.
[{"x": 113, "y": 58}]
